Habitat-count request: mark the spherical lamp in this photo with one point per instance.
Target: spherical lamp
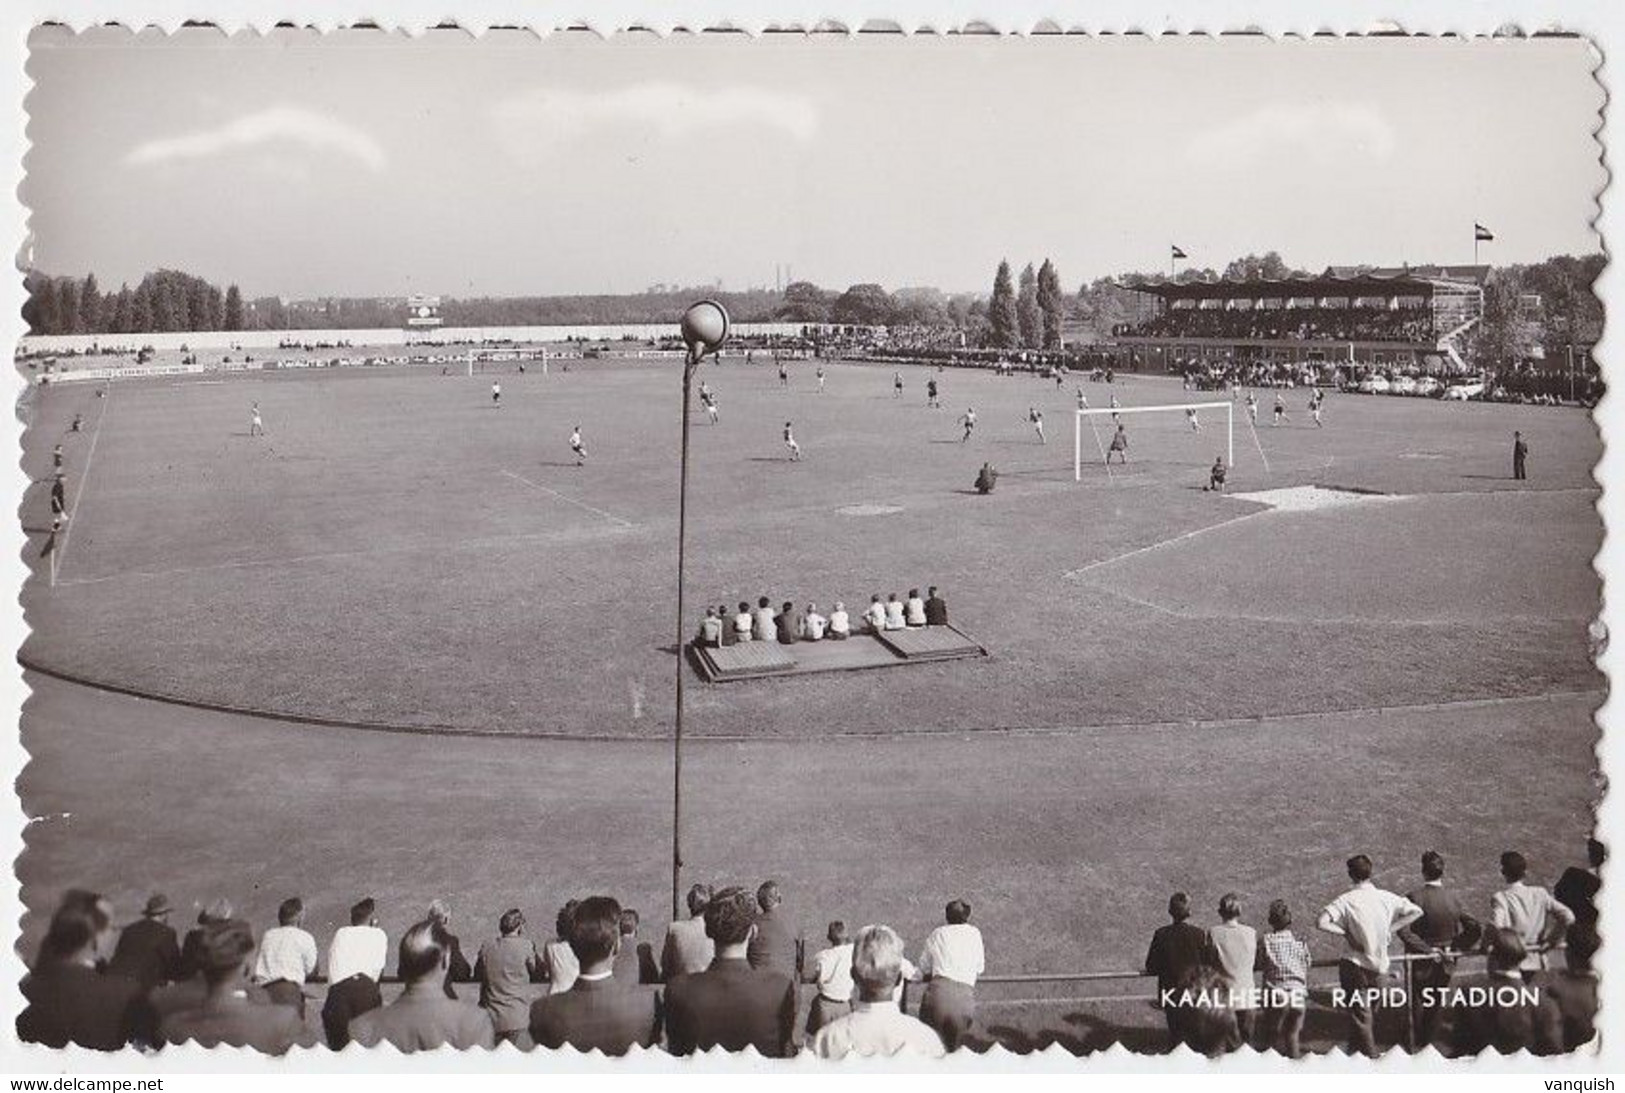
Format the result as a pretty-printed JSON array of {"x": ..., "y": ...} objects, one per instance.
[{"x": 705, "y": 328}]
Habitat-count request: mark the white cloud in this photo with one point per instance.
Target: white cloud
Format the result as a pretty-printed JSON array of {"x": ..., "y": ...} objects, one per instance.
[
  {"x": 276, "y": 124},
  {"x": 673, "y": 110},
  {"x": 1315, "y": 134}
]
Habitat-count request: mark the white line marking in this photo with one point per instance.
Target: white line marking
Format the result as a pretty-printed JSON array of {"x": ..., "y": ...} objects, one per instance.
[
  {"x": 1073, "y": 573},
  {"x": 84, "y": 481},
  {"x": 570, "y": 500}
]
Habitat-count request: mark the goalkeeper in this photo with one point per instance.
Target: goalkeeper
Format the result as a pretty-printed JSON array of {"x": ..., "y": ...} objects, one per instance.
[{"x": 1215, "y": 475}]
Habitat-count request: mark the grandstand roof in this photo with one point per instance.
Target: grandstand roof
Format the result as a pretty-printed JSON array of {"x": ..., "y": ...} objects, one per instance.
[{"x": 1335, "y": 281}]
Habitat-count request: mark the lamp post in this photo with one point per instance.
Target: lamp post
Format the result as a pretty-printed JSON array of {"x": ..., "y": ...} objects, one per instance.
[{"x": 704, "y": 328}]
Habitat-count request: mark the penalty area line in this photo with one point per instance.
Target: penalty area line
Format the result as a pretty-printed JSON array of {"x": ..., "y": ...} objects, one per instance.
[
  {"x": 611, "y": 517},
  {"x": 1081, "y": 570}
]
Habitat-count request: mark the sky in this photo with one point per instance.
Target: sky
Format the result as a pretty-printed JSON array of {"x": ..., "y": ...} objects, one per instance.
[{"x": 362, "y": 163}]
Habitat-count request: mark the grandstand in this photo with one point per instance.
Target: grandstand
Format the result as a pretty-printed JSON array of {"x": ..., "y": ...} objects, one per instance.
[{"x": 1404, "y": 317}]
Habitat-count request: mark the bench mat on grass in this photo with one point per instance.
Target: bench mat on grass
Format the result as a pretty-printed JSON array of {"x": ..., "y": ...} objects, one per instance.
[{"x": 759, "y": 659}]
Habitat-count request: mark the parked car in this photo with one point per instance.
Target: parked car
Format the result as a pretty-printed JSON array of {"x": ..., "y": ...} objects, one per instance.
[
  {"x": 1374, "y": 384},
  {"x": 1429, "y": 387},
  {"x": 1402, "y": 385},
  {"x": 1462, "y": 390}
]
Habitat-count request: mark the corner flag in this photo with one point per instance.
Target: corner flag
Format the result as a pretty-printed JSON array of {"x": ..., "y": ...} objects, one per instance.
[
  {"x": 1481, "y": 234},
  {"x": 1175, "y": 252}
]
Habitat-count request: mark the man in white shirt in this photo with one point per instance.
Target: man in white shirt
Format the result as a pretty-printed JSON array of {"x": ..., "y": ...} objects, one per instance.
[
  {"x": 951, "y": 961},
  {"x": 287, "y": 957},
  {"x": 876, "y": 1026},
  {"x": 813, "y": 624},
  {"x": 744, "y": 622},
  {"x": 894, "y": 613},
  {"x": 360, "y": 948},
  {"x": 914, "y": 610},
  {"x": 840, "y": 623},
  {"x": 1366, "y": 917},
  {"x": 875, "y": 614},
  {"x": 355, "y": 963},
  {"x": 1529, "y": 911}
]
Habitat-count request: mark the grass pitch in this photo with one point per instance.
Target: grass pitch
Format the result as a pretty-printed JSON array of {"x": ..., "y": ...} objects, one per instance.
[{"x": 399, "y": 550}]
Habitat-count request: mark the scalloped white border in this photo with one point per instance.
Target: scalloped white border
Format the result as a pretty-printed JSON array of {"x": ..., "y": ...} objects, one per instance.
[{"x": 1602, "y": 21}]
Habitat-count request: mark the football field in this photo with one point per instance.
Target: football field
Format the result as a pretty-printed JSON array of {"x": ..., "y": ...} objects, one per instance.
[{"x": 1185, "y": 689}]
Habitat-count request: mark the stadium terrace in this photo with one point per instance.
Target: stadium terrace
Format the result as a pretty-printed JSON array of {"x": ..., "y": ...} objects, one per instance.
[{"x": 1408, "y": 316}]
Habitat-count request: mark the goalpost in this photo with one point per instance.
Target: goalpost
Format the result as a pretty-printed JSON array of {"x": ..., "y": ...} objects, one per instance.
[{"x": 1078, "y": 426}]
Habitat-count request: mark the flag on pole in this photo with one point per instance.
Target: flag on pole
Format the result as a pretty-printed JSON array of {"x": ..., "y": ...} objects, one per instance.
[
  {"x": 1175, "y": 252},
  {"x": 1481, "y": 234}
]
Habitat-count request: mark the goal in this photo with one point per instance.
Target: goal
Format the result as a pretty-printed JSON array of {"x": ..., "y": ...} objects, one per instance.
[{"x": 1099, "y": 442}]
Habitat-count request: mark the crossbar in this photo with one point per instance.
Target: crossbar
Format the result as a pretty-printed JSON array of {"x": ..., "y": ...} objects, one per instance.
[{"x": 1228, "y": 406}]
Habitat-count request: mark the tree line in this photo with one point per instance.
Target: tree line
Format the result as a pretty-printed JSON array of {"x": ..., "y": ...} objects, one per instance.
[
  {"x": 1021, "y": 312},
  {"x": 164, "y": 300}
]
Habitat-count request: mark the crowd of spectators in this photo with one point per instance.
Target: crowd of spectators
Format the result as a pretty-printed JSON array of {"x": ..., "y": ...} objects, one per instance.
[
  {"x": 1545, "y": 387},
  {"x": 726, "y": 977},
  {"x": 1227, "y": 986},
  {"x": 790, "y": 624},
  {"x": 1337, "y": 324}
]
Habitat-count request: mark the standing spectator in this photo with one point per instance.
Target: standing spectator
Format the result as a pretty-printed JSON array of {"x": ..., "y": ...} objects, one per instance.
[
  {"x": 635, "y": 962},
  {"x": 1366, "y": 917},
  {"x": 1285, "y": 961},
  {"x": 558, "y": 959},
  {"x": 1529, "y": 911},
  {"x": 1520, "y": 453},
  {"x": 505, "y": 968},
  {"x": 457, "y": 966},
  {"x": 936, "y": 609},
  {"x": 1577, "y": 888},
  {"x": 1443, "y": 922},
  {"x": 355, "y": 963},
  {"x": 1208, "y": 1029},
  {"x": 1177, "y": 949},
  {"x": 876, "y": 1026},
  {"x": 774, "y": 943},
  {"x": 1506, "y": 1022},
  {"x": 731, "y": 1004},
  {"x": 598, "y": 1012},
  {"x": 1232, "y": 949},
  {"x": 287, "y": 957},
  {"x": 1574, "y": 991},
  {"x": 831, "y": 970},
  {"x": 226, "y": 1015},
  {"x": 951, "y": 961},
  {"x": 218, "y": 911},
  {"x": 68, "y": 1000},
  {"x": 423, "y": 1018},
  {"x": 688, "y": 947},
  {"x": 914, "y": 609},
  {"x": 148, "y": 951}
]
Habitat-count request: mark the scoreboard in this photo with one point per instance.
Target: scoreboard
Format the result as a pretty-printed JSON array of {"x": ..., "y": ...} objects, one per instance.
[{"x": 423, "y": 311}]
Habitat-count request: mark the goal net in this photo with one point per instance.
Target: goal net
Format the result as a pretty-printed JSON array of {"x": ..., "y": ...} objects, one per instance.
[{"x": 1164, "y": 433}]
